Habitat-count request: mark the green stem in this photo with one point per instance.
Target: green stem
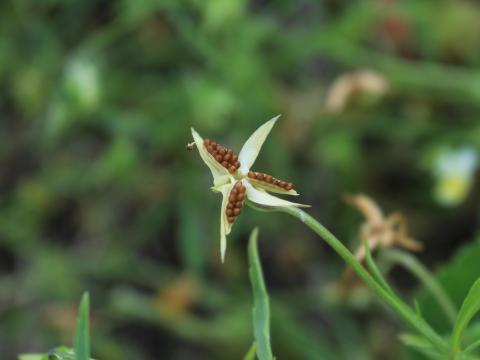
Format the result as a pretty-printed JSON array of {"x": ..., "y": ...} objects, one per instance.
[
  {"x": 402, "y": 309},
  {"x": 472, "y": 346},
  {"x": 410, "y": 263}
]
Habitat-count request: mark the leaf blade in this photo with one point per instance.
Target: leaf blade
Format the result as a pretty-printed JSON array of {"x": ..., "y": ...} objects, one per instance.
[
  {"x": 470, "y": 306},
  {"x": 261, "y": 308},
  {"x": 81, "y": 340},
  {"x": 250, "y": 355}
]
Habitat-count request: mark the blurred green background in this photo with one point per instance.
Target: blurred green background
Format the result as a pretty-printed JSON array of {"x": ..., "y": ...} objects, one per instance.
[{"x": 98, "y": 193}]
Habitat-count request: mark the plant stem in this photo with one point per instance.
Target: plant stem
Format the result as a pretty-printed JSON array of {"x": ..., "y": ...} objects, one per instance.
[
  {"x": 402, "y": 309},
  {"x": 409, "y": 262}
]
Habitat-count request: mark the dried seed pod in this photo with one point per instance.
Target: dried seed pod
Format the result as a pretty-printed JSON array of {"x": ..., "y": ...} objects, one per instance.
[
  {"x": 224, "y": 156},
  {"x": 235, "y": 202},
  {"x": 269, "y": 179}
]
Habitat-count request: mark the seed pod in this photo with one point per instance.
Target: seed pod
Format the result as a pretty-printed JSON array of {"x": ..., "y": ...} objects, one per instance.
[
  {"x": 224, "y": 156},
  {"x": 269, "y": 179}
]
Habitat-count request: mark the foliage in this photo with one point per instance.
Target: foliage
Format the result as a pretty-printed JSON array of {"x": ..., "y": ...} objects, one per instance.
[{"x": 261, "y": 305}]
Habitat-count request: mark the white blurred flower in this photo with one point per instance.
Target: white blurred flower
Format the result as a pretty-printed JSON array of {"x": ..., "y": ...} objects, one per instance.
[
  {"x": 82, "y": 83},
  {"x": 454, "y": 171}
]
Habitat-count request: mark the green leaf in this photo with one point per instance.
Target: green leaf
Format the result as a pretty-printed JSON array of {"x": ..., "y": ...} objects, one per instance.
[
  {"x": 261, "y": 307},
  {"x": 456, "y": 277},
  {"x": 374, "y": 269},
  {"x": 61, "y": 353},
  {"x": 420, "y": 344},
  {"x": 470, "y": 306},
  {"x": 251, "y": 353},
  {"x": 32, "y": 357},
  {"x": 81, "y": 340}
]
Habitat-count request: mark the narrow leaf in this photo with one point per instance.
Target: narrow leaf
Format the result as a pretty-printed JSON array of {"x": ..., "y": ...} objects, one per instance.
[
  {"x": 81, "y": 341},
  {"x": 32, "y": 357},
  {"x": 418, "y": 309},
  {"x": 470, "y": 306},
  {"x": 420, "y": 344},
  {"x": 261, "y": 306},
  {"x": 251, "y": 353},
  {"x": 61, "y": 353},
  {"x": 374, "y": 269}
]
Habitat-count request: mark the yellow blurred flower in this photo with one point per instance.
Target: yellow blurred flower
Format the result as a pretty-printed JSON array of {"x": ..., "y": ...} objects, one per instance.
[{"x": 454, "y": 171}]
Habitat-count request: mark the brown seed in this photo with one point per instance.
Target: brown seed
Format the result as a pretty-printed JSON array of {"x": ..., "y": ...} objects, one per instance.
[
  {"x": 240, "y": 196},
  {"x": 282, "y": 184},
  {"x": 289, "y": 186},
  {"x": 236, "y": 212},
  {"x": 230, "y": 152},
  {"x": 213, "y": 144},
  {"x": 232, "y": 169},
  {"x": 260, "y": 176},
  {"x": 237, "y": 164},
  {"x": 268, "y": 178},
  {"x": 229, "y": 212},
  {"x": 225, "y": 164},
  {"x": 218, "y": 158},
  {"x": 251, "y": 175},
  {"x": 234, "y": 191},
  {"x": 209, "y": 148},
  {"x": 242, "y": 190},
  {"x": 234, "y": 158},
  {"x": 230, "y": 205},
  {"x": 227, "y": 157},
  {"x": 232, "y": 198},
  {"x": 206, "y": 142},
  {"x": 238, "y": 185},
  {"x": 231, "y": 219},
  {"x": 238, "y": 205},
  {"x": 276, "y": 182}
]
